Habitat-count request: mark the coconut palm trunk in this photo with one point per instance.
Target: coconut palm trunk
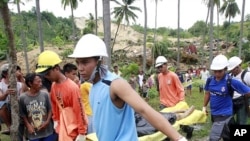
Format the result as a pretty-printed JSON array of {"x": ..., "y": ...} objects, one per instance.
[
  {"x": 153, "y": 48},
  {"x": 211, "y": 35},
  {"x": 4, "y": 11},
  {"x": 116, "y": 33},
  {"x": 227, "y": 34},
  {"x": 23, "y": 38},
  {"x": 145, "y": 37},
  {"x": 73, "y": 23},
  {"x": 96, "y": 24},
  {"x": 218, "y": 25},
  {"x": 178, "y": 35},
  {"x": 241, "y": 26},
  {"x": 107, "y": 29},
  {"x": 203, "y": 36},
  {"x": 39, "y": 23}
]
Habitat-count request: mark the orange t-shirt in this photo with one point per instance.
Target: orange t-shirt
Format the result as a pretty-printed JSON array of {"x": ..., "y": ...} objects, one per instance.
[
  {"x": 68, "y": 95},
  {"x": 170, "y": 88}
]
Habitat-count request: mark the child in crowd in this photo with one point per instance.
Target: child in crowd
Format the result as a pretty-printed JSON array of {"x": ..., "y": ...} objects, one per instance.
[{"x": 145, "y": 88}]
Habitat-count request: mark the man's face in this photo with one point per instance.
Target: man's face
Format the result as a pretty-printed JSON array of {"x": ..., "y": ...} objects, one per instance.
[
  {"x": 51, "y": 74},
  {"x": 162, "y": 68},
  {"x": 116, "y": 68},
  {"x": 19, "y": 74},
  {"x": 235, "y": 71},
  {"x": 86, "y": 66},
  {"x": 37, "y": 83},
  {"x": 71, "y": 75},
  {"x": 219, "y": 73}
]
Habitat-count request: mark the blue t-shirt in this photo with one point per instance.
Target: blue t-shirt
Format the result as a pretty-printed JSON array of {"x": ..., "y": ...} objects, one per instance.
[
  {"x": 220, "y": 99},
  {"x": 110, "y": 122}
]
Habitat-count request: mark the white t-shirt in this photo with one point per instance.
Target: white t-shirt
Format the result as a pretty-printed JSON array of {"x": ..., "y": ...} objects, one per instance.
[
  {"x": 246, "y": 79},
  {"x": 4, "y": 87},
  {"x": 140, "y": 78},
  {"x": 204, "y": 75}
]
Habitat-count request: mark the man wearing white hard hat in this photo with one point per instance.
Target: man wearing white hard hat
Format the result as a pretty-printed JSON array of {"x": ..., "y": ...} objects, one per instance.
[
  {"x": 218, "y": 91},
  {"x": 5, "y": 92},
  {"x": 112, "y": 99},
  {"x": 240, "y": 103},
  {"x": 170, "y": 87}
]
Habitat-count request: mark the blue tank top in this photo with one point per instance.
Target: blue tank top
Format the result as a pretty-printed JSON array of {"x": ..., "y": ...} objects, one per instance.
[{"x": 110, "y": 122}]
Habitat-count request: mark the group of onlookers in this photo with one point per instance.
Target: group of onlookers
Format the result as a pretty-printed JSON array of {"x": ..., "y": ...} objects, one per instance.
[
  {"x": 111, "y": 100},
  {"x": 103, "y": 102}
]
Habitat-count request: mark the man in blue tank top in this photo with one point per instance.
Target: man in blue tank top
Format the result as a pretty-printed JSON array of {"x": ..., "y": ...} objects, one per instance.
[{"x": 112, "y": 98}]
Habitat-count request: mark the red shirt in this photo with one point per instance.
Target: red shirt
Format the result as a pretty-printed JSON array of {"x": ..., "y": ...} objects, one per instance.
[
  {"x": 170, "y": 88},
  {"x": 68, "y": 94}
]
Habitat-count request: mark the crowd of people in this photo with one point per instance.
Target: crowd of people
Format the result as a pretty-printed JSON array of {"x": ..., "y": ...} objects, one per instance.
[{"x": 69, "y": 103}]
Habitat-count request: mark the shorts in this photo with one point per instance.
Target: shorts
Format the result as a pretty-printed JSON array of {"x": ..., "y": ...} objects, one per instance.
[
  {"x": 189, "y": 87},
  {"x": 2, "y": 103}
]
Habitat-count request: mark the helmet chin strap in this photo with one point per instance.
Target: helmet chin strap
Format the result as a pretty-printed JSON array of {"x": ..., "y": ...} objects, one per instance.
[{"x": 96, "y": 70}]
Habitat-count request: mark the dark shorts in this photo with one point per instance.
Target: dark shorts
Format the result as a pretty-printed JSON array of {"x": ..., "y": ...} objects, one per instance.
[{"x": 189, "y": 87}]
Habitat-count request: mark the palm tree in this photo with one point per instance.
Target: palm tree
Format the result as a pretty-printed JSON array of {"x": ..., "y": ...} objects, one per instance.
[
  {"x": 208, "y": 3},
  {"x": 178, "y": 34},
  {"x": 107, "y": 28},
  {"x": 4, "y": 11},
  {"x": 156, "y": 13},
  {"x": 145, "y": 37},
  {"x": 39, "y": 24},
  {"x": 73, "y": 5},
  {"x": 241, "y": 26},
  {"x": 96, "y": 17},
  {"x": 23, "y": 35},
  {"x": 230, "y": 9},
  {"x": 124, "y": 11},
  {"x": 90, "y": 25},
  {"x": 217, "y": 3},
  {"x": 211, "y": 36}
]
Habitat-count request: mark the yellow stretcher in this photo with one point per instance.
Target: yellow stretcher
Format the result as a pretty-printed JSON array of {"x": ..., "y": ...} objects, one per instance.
[{"x": 196, "y": 116}]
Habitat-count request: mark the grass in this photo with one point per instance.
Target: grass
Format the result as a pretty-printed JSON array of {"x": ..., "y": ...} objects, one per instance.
[{"x": 2, "y": 136}]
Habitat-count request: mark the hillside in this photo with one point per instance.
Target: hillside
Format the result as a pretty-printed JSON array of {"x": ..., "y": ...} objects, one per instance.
[{"x": 126, "y": 35}]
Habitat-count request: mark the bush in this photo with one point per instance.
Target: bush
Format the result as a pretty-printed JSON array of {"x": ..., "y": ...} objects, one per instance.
[
  {"x": 127, "y": 70},
  {"x": 152, "y": 93},
  {"x": 66, "y": 52},
  {"x": 57, "y": 41}
]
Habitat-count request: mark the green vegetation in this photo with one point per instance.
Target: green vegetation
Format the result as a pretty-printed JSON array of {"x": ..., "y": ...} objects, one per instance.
[{"x": 56, "y": 30}]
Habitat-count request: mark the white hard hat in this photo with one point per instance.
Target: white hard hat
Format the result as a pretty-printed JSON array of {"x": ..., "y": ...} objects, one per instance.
[
  {"x": 4, "y": 67},
  {"x": 219, "y": 62},
  {"x": 233, "y": 62},
  {"x": 160, "y": 60},
  {"x": 89, "y": 46}
]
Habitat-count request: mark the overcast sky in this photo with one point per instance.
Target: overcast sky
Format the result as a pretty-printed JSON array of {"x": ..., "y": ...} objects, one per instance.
[{"x": 191, "y": 11}]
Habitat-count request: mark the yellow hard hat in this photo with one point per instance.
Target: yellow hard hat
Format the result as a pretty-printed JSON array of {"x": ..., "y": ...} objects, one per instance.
[{"x": 46, "y": 60}]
